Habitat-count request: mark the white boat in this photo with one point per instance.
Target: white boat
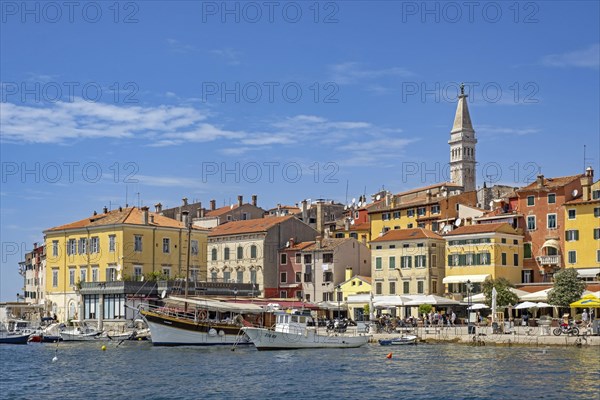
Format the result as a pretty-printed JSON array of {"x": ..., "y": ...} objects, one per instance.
[
  {"x": 399, "y": 341},
  {"x": 203, "y": 322},
  {"x": 299, "y": 330},
  {"x": 7, "y": 337},
  {"x": 80, "y": 331}
]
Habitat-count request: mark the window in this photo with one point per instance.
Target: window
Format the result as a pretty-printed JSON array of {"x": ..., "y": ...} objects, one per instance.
[
  {"x": 327, "y": 276},
  {"x": 226, "y": 253},
  {"x": 526, "y": 276},
  {"x": 71, "y": 247},
  {"x": 392, "y": 262},
  {"x": 307, "y": 259},
  {"x": 213, "y": 276},
  {"x": 95, "y": 245},
  {"x": 410, "y": 213},
  {"x": 377, "y": 262},
  {"x": 328, "y": 257},
  {"x": 82, "y": 274},
  {"x": 420, "y": 261},
  {"x": 420, "y": 287},
  {"x": 298, "y": 258},
  {"x": 298, "y": 277},
  {"x": 551, "y": 221},
  {"x": 213, "y": 254},
  {"x": 406, "y": 287},
  {"x": 516, "y": 260},
  {"x": 572, "y": 235},
  {"x": 435, "y": 209},
  {"x": 137, "y": 243},
  {"x": 137, "y": 272},
  {"x": 551, "y": 198},
  {"x": 572, "y": 256},
  {"x": 526, "y": 250},
  {"x": 283, "y": 294},
  {"x": 253, "y": 276},
  {"x": 530, "y": 200},
  {"x": 405, "y": 262},
  {"x": 597, "y": 255},
  {"x": 596, "y": 233},
  {"x": 72, "y": 276},
  {"x": 55, "y": 248},
  {"x": 111, "y": 274},
  {"x": 240, "y": 276},
  {"x": 166, "y": 245},
  {"x": 421, "y": 211},
  {"x": 433, "y": 286},
  {"x": 227, "y": 276},
  {"x": 95, "y": 274},
  {"x": 392, "y": 246},
  {"x": 572, "y": 213},
  {"x": 194, "y": 247},
  {"x": 595, "y": 194},
  {"x": 516, "y": 242},
  {"x": 54, "y": 277},
  {"x": 434, "y": 261},
  {"x": 503, "y": 258},
  {"x": 596, "y": 214},
  {"x": 405, "y": 246},
  {"x": 392, "y": 287},
  {"x": 419, "y": 244},
  {"x": 283, "y": 277},
  {"x": 503, "y": 240},
  {"x": 378, "y": 287},
  {"x": 378, "y": 247},
  {"x": 253, "y": 251},
  {"x": 385, "y": 216},
  {"x": 82, "y": 247},
  {"x": 283, "y": 259},
  {"x": 396, "y": 214},
  {"x": 421, "y": 225},
  {"x": 531, "y": 222},
  {"x": 409, "y": 226},
  {"x": 240, "y": 252},
  {"x": 112, "y": 243}
]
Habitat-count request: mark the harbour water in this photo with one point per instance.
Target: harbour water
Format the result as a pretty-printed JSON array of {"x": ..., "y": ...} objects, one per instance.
[{"x": 137, "y": 370}]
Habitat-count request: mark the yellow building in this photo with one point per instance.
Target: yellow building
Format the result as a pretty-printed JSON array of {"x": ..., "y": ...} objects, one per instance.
[
  {"x": 476, "y": 252},
  {"x": 119, "y": 245},
  {"x": 353, "y": 286},
  {"x": 582, "y": 229}
]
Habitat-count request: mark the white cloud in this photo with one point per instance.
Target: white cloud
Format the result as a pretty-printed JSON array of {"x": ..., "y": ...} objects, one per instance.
[
  {"x": 231, "y": 56},
  {"x": 179, "y": 47},
  {"x": 584, "y": 58},
  {"x": 353, "y": 72},
  {"x": 488, "y": 130}
]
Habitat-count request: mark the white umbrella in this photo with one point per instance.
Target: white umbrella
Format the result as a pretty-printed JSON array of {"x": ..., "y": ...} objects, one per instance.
[
  {"x": 371, "y": 313},
  {"x": 477, "y": 306},
  {"x": 431, "y": 299},
  {"x": 543, "y": 305},
  {"x": 526, "y": 304},
  {"x": 494, "y": 299}
]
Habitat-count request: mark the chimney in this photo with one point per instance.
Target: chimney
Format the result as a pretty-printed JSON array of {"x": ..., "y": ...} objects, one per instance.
[
  {"x": 184, "y": 217},
  {"x": 240, "y": 200},
  {"x": 305, "y": 211},
  {"x": 213, "y": 205},
  {"x": 105, "y": 209},
  {"x": 198, "y": 212},
  {"x": 158, "y": 208},
  {"x": 120, "y": 209},
  {"x": 151, "y": 219},
  {"x": 185, "y": 201},
  {"x": 95, "y": 213},
  {"x": 586, "y": 184},
  {"x": 540, "y": 181},
  {"x": 254, "y": 199},
  {"x": 347, "y": 224},
  {"x": 202, "y": 211},
  {"x": 348, "y": 273},
  {"x": 144, "y": 215},
  {"x": 428, "y": 195},
  {"x": 320, "y": 217},
  {"x": 318, "y": 242},
  {"x": 291, "y": 242}
]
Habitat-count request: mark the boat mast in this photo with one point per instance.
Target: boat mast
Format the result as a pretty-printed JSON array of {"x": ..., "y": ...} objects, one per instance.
[{"x": 188, "y": 224}]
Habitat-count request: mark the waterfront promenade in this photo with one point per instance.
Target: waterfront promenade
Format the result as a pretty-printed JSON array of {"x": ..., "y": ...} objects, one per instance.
[{"x": 518, "y": 335}]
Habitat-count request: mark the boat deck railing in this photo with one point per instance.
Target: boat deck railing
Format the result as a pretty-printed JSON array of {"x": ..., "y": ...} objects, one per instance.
[{"x": 197, "y": 316}]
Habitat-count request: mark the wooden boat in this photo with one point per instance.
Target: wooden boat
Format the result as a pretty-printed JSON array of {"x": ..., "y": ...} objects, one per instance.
[
  {"x": 203, "y": 322},
  {"x": 299, "y": 330},
  {"x": 399, "y": 341}
]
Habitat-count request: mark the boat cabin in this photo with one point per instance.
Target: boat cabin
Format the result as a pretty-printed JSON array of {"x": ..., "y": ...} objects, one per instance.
[{"x": 294, "y": 321}]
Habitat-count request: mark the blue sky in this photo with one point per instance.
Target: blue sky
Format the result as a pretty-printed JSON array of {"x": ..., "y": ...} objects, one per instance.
[{"x": 162, "y": 100}]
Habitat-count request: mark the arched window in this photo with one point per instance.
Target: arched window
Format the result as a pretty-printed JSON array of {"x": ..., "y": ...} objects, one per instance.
[{"x": 214, "y": 254}]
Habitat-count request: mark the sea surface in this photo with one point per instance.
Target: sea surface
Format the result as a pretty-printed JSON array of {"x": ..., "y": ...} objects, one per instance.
[{"x": 137, "y": 370}]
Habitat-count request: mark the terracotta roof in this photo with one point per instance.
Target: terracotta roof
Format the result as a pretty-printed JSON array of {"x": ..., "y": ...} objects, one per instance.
[
  {"x": 551, "y": 183},
  {"x": 220, "y": 211},
  {"x": 435, "y": 185},
  {"x": 131, "y": 215},
  {"x": 365, "y": 226},
  {"x": 364, "y": 278},
  {"x": 482, "y": 228},
  {"x": 407, "y": 234},
  {"x": 247, "y": 226},
  {"x": 326, "y": 244}
]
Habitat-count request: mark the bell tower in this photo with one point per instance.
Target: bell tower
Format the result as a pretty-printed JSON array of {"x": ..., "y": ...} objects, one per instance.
[{"x": 462, "y": 146}]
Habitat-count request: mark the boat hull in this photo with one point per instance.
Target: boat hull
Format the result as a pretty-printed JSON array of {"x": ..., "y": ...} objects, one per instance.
[
  {"x": 398, "y": 341},
  {"x": 171, "y": 331},
  {"x": 267, "y": 339},
  {"x": 78, "y": 337},
  {"x": 13, "y": 339}
]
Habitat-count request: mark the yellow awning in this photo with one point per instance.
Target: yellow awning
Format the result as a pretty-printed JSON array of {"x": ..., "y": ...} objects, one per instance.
[{"x": 587, "y": 301}]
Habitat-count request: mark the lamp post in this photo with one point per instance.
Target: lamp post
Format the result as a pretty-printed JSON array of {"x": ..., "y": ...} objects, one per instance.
[
  {"x": 338, "y": 301},
  {"x": 235, "y": 294},
  {"x": 469, "y": 288}
]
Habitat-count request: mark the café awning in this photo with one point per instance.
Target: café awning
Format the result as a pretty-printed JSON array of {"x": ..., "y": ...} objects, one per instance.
[
  {"x": 588, "y": 272},
  {"x": 465, "y": 278}
]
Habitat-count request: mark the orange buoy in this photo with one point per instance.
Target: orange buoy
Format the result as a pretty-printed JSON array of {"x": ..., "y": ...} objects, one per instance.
[{"x": 389, "y": 355}]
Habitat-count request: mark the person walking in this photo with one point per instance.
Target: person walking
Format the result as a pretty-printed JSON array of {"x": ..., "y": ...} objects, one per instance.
[
  {"x": 453, "y": 318},
  {"x": 585, "y": 317}
]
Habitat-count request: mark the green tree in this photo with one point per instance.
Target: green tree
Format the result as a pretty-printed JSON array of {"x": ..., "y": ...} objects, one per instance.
[
  {"x": 425, "y": 309},
  {"x": 567, "y": 288},
  {"x": 504, "y": 297}
]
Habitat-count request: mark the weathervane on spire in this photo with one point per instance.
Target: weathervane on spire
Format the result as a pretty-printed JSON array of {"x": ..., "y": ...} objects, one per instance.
[{"x": 462, "y": 88}]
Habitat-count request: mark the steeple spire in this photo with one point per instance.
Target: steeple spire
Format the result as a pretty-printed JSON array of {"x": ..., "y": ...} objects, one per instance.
[{"x": 462, "y": 119}]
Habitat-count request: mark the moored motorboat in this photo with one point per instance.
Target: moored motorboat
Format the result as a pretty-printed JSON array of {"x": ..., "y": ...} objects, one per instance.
[
  {"x": 197, "y": 322},
  {"x": 403, "y": 340},
  {"x": 7, "y": 337},
  {"x": 299, "y": 330},
  {"x": 80, "y": 331}
]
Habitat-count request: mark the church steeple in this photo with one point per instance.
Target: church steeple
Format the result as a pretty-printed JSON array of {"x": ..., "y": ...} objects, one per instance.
[{"x": 462, "y": 145}]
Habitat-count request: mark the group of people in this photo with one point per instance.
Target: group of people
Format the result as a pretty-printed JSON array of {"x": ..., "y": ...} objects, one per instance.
[
  {"x": 435, "y": 318},
  {"x": 586, "y": 318}
]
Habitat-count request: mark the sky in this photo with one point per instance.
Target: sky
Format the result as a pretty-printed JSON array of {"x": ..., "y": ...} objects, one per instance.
[{"x": 107, "y": 104}]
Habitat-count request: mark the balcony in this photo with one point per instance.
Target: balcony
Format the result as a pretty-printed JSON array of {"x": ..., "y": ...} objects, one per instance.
[{"x": 549, "y": 260}]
